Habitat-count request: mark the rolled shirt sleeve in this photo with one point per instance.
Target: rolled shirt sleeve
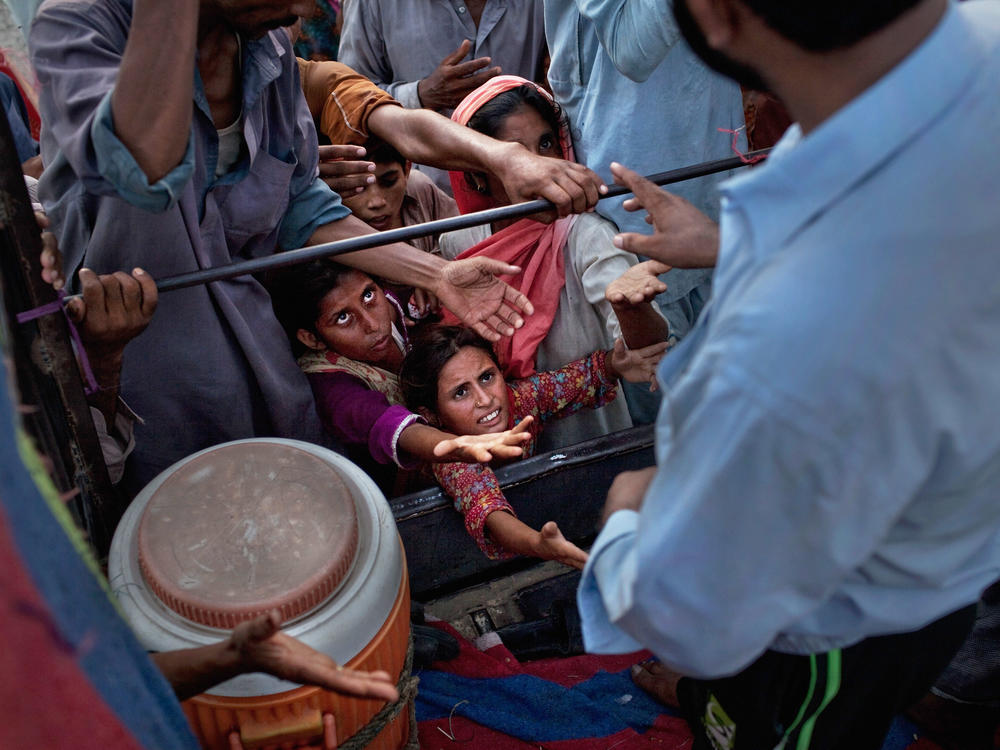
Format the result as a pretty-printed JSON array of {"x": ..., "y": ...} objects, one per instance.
[
  {"x": 117, "y": 165},
  {"x": 636, "y": 34}
]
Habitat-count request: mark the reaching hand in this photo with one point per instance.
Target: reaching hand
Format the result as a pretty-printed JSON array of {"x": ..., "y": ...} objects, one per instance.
[
  {"x": 637, "y": 365},
  {"x": 261, "y": 647},
  {"x": 638, "y": 285},
  {"x": 684, "y": 237},
  {"x": 552, "y": 545},
  {"x": 342, "y": 168},
  {"x": 113, "y": 309},
  {"x": 472, "y": 291},
  {"x": 527, "y": 176},
  {"x": 452, "y": 79},
  {"x": 484, "y": 448}
]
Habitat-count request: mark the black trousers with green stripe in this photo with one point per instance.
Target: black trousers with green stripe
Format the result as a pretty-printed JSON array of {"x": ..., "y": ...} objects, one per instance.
[{"x": 842, "y": 699}]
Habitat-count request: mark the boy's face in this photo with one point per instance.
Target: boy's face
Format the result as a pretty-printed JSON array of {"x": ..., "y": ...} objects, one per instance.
[
  {"x": 380, "y": 204},
  {"x": 355, "y": 320}
]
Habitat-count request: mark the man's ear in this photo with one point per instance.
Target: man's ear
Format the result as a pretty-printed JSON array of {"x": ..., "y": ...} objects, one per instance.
[
  {"x": 718, "y": 19},
  {"x": 407, "y": 166},
  {"x": 309, "y": 339}
]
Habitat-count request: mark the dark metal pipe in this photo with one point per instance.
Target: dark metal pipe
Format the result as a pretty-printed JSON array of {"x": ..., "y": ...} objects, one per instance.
[{"x": 364, "y": 242}]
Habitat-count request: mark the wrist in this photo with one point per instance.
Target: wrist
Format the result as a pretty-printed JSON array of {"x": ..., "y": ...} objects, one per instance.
[
  {"x": 611, "y": 373},
  {"x": 499, "y": 156}
]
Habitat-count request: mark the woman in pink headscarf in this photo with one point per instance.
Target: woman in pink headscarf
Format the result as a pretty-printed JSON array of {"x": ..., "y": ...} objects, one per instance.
[{"x": 566, "y": 264}]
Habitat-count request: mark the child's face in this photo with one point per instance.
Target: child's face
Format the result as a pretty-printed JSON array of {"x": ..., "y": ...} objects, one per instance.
[
  {"x": 355, "y": 320},
  {"x": 472, "y": 394},
  {"x": 380, "y": 204}
]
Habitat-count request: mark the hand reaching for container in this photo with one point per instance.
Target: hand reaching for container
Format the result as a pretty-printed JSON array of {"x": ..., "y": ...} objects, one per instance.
[
  {"x": 684, "y": 237},
  {"x": 259, "y": 646},
  {"x": 452, "y": 79}
]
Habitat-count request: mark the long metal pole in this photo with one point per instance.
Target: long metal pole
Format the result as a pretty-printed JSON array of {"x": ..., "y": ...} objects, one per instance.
[{"x": 364, "y": 242}]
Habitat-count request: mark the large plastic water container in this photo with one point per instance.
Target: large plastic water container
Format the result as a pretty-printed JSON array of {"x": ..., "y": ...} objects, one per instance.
[{"x": 253, "y": 525}]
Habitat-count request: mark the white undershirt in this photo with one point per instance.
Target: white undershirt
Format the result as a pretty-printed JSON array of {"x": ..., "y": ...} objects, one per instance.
[{"x": 230, "y": 146}]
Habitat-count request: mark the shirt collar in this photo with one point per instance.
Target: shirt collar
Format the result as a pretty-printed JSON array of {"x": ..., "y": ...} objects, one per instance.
[{"x": 803, "y": 176}]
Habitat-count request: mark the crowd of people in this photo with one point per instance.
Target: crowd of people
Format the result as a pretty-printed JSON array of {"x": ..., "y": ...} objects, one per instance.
[{"x": 814, "y": 337}]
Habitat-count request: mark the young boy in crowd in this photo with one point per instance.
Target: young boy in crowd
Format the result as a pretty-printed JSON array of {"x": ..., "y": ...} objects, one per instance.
[{"x": 399, "y": 197}]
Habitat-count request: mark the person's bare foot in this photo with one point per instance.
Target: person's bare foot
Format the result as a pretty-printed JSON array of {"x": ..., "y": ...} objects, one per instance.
[{"x": 658, "y": 681}]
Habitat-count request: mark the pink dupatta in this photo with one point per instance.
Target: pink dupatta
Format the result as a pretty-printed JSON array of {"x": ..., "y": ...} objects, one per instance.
[{"x": 537, "y": 248}]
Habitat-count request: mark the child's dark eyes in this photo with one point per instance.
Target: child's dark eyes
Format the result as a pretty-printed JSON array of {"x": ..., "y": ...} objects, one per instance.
[
  {"x": 546, "y": 143},
  {"x": 388, "y": 182}
]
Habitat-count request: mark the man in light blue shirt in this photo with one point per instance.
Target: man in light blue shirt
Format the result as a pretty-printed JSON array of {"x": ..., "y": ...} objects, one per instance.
[
  {"x": 824, "y": 507},
  {"x": 636, "y": 94}
]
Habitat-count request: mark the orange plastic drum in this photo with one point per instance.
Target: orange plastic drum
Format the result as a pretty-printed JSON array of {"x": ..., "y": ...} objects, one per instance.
[{"x": 246, "y": 527}]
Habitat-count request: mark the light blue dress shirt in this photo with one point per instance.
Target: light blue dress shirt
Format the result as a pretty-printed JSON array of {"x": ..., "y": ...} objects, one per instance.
[
  {"x": 828, "y": 447},
  {"x": 636, "y": 94}
]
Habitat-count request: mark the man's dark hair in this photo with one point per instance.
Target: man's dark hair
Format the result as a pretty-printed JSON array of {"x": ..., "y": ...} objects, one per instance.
[
  {"x": 432, "y": 348},
  {"x": 822, "y": 27}
]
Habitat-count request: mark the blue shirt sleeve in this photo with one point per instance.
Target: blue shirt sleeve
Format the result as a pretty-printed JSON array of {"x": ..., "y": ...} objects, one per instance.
[
  {"x": 315, "y": 206},
  {"x": 117, "y": 165},
  {"x": 636, "y": 34}
]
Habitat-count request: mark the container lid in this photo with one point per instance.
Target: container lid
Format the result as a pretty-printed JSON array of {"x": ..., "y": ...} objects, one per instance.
[{"x": 246, "y": 528}]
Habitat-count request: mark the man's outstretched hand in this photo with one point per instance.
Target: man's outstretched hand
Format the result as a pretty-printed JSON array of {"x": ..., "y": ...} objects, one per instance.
[
  {"x": 683, "y": 236},
  {"x": 471, "y": 290},
  {"x": 527, "y": 176}
]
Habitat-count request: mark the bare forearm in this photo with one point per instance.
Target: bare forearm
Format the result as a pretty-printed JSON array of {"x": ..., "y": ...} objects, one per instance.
[
  {"x": 641, "y": 325},
  {"x": 512, "y": 534},
  {"x": 151, "y": 101},
  {"x": 429, "y": 138},
  {"x": 419, "y": 441},
  {"x": 192, "y": 671},
  {"x": 396, "y": 261}
]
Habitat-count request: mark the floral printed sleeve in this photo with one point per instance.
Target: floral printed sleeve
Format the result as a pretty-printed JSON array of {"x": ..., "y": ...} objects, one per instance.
[
  {"x": 559, "y": 393},
  {"x": 476, "y": 493}
]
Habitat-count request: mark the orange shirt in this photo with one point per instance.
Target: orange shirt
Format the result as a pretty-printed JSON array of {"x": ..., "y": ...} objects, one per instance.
[{"x": 340, "y": 100}]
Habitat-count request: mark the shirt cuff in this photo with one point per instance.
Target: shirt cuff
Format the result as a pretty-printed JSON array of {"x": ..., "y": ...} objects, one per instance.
[
  {"x": 117, "y": 165},
  {"x": 309, "y": 210},
  {"x": 606, "y": 586},
  {"x": 406, "y": 94},
  {"x": 404, "y": 460}
]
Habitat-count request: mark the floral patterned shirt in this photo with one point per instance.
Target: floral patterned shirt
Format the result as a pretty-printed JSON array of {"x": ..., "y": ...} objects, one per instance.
[{"x": 545, "y": 396}]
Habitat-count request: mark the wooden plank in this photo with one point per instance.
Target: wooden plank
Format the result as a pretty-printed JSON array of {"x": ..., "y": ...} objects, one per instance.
[
  {"x": 49, "y": 381},
  {"x": 568, "y": 486}
]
